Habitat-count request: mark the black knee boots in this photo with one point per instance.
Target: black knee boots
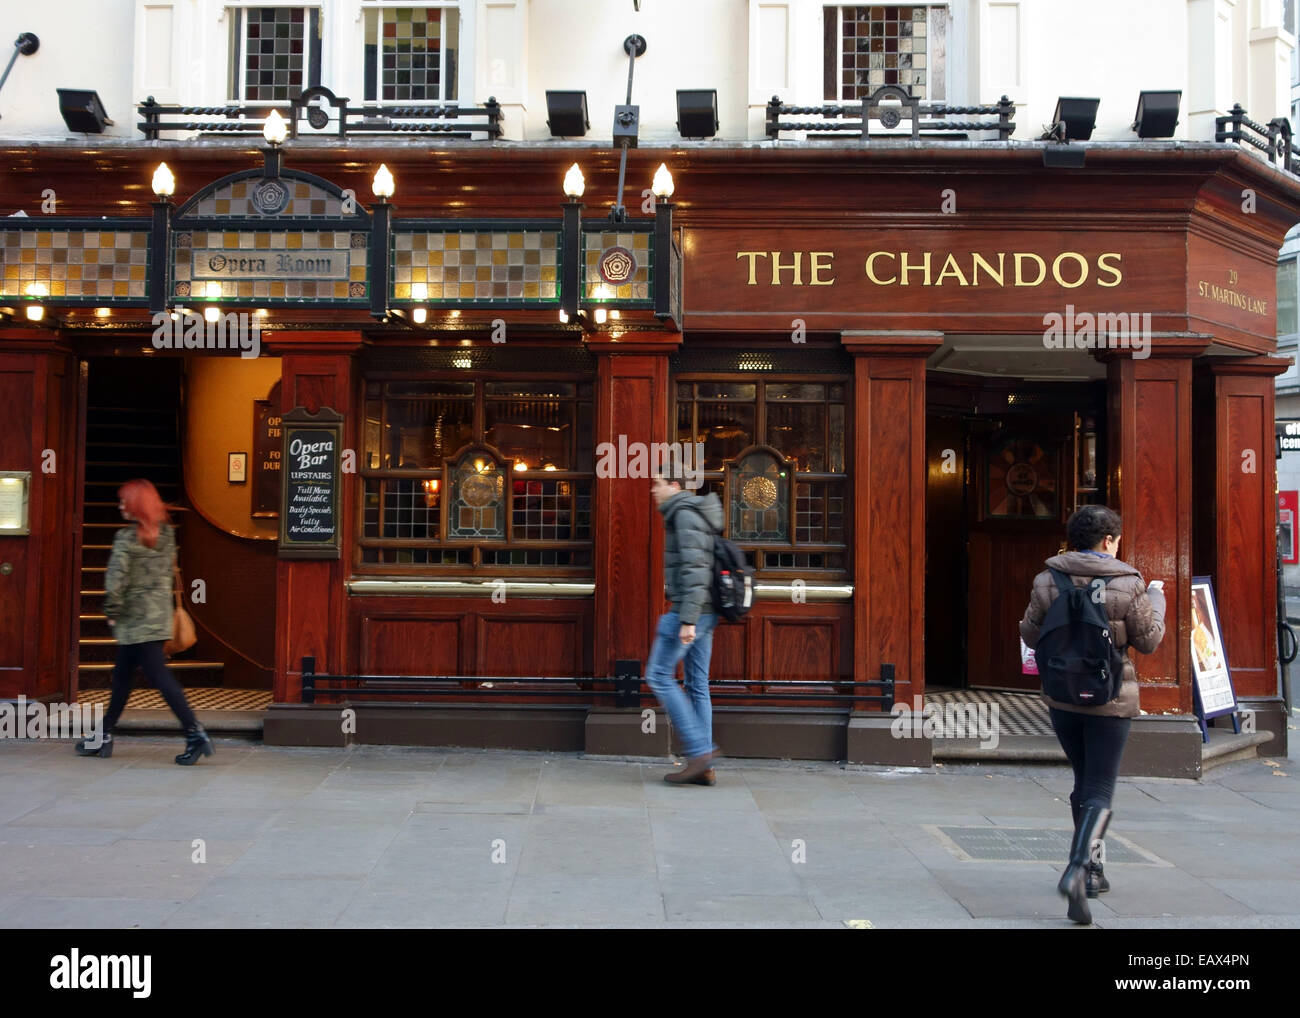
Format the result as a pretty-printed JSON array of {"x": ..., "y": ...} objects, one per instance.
[
  {"x": 1097, "y": 882},
  {"x": 1074, "y": 881},
  {"x": 197, "y": 744}
]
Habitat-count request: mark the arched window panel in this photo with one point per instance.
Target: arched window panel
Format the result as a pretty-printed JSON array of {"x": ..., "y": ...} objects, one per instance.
[
  {"x": 476, "y": 508},
  {"x": 758, "y": 486}
]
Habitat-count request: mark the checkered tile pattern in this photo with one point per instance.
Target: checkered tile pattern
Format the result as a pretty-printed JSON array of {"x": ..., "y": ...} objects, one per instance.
[
  {"x": 74, "y": 263},
  {"x": 594, "y": 247},
  {"x": 470, "y": 265},
  {"x": 306, "y": 201},
  {"x": 1018, "y": 713},
  {"x": 200, "y": 698},
  {"x": 298, "y": 246},
  {"x": 882, "y": 45}
]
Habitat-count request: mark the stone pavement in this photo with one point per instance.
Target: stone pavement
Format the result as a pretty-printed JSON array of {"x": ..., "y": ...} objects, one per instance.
[{"x": 384, "y": 836}]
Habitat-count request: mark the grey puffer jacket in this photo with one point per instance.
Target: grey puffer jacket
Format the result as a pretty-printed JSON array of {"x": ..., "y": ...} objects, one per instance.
[
  {"x": 690, "y": 521},
  {"x": 1137, "y": 618},
  {"x": 138, "y": 586}
]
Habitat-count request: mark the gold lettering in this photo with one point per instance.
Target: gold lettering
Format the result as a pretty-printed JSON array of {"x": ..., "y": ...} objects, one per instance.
[
  {"x": 924, "y": 267},
  {"x": 1083, "y": 268},
  {"x": 871, "y": 271},
  {"x": 752, "y": 256},
  {"x": 978, "y": 260},
  {"x": 796, "y": 265},
  {"x": 1042, "y": 268},
  {"x": 1113, "y": 269},
  {"x": 950, "y": 268},
  {"x": 818, "y": 265}
]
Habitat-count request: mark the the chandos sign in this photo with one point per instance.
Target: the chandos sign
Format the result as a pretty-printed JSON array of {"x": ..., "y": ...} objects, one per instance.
[{"x": 1068, "y": 269}]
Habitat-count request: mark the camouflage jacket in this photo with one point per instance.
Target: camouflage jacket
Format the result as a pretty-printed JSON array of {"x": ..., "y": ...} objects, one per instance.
[{"x": 139, "y": 587}]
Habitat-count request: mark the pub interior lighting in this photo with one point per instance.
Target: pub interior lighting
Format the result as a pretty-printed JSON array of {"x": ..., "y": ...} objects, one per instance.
[
  {"x": 564, "y": 317},
  {"x": 1157, "y": 113},
  {"x": 574, "y": 184},
  {"x": 275, "y": 130},
  {"x": 1076, "y": 117},
  {"x": 383, "y": 185},
  {"x": 35, "y": 312},
  {"x": 212, "y": 313},
  {"x": 566, "y": 114},
  {"x": 164, "y": 183},
  {"x": 419, "y": 291},
  {"x": 697, "y": 112}
]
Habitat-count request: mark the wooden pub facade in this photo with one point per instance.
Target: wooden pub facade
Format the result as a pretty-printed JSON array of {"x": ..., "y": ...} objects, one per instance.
[{"x": 906, "y": 363}]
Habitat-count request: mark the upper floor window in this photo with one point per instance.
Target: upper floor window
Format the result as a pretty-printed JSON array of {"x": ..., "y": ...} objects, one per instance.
[
  {"x": 868, "y": 47},
  {"x": 1286, "y": 298},
  {"x": 411, "y": 53},
  {"x": 274, "y": 52}
]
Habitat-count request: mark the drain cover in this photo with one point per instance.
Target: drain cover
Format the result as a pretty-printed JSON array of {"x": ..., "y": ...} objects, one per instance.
[{"x": 1027, "y": 844}]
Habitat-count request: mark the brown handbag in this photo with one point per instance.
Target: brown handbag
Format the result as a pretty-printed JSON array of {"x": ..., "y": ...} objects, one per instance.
[{"x": 183, "y": 635}]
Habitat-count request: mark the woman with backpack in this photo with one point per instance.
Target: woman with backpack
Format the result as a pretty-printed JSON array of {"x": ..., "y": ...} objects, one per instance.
[
  {"x": 138, "y": 603},
  {"x": 1092, "y": 725}
]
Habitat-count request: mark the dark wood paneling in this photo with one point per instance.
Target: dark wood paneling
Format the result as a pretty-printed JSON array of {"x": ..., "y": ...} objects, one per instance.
[
  {"x": 800, "y": 649},
  {"x": 523, "y": 645},
  {"x": 945, "y": 551},
  {"x": 410, "y": 646},
  {"x": 731, "y": 658}
]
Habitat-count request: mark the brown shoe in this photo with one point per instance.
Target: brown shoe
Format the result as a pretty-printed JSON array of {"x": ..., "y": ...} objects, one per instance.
[
  {"x": 707, "y": 778},
  {"x": 696, "y": 767}
]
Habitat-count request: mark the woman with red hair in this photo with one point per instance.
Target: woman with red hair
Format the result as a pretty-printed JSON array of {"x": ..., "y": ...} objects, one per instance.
[{"x": 138, "y": 603}]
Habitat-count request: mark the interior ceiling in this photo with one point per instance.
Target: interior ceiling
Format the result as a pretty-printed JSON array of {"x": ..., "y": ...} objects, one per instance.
[{"x": 1013, "y": 357}]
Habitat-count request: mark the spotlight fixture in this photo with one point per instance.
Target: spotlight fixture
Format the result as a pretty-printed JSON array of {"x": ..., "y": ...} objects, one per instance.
[
  {"x": 697, "y": 112},
  {"x": 1076, "y": 117},
  {"x": 383, "y": 185},
  {"x": 82, "y": 110},
  {"x": 1157, "y": 114},
  {"x": 566, "y": 114},
  {"x": 419, "y": 315}
]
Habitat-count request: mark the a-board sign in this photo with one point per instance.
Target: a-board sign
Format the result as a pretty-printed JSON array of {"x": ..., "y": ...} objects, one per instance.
[
  {"x": 309, "y": 498},
  {"x": 268, "y": 455},
  {"x": 1215, "y": 694}
]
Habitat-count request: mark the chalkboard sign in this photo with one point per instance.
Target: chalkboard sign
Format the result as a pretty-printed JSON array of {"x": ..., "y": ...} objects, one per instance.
[
  {"x": 268, "y": 454},
  {"x": 309, "y": 501}
]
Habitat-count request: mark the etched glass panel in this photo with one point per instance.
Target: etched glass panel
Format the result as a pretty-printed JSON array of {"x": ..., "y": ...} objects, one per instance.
[
  {"x": 760, "y": 500},
  {"x": 477, "y": 507}
]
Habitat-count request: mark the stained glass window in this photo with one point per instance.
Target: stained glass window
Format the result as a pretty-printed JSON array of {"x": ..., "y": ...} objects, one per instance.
[
  {"x": 411, "y": 54},
  {"x": 274, "y": 52},
  {"x": 867, "y": 47}
]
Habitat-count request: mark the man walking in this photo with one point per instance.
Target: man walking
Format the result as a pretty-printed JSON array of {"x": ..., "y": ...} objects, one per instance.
[{"x": 686, "y": 629}]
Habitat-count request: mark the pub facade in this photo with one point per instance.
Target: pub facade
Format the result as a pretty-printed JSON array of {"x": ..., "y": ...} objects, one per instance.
[{"x": 395, "y": 389}]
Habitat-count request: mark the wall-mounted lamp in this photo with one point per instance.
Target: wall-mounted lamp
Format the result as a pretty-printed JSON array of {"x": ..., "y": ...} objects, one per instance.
[
  {"x": 383, "y": 185},
  {"x": 164, "y": 183},
  {"x": 574, "y": 184},
  {"x": 274, "y": 129},
  {"x": 1075, "y": 117},
  {"x": 36, "y": 291},
  {"x": 662, "y": 185}
]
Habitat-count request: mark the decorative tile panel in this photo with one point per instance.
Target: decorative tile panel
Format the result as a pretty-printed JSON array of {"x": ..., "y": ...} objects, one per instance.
[
  {"x": 70, "y": 264},
  {"x": 618, "y": 261},
  {"x": 443, "y": 266},
  {"x": 270, "y": 265}
]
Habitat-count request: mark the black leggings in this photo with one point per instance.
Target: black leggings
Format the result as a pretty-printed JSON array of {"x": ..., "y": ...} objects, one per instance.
[
  {"x": 149, "y": 658},
  {"x": 1093, "y": 744}
]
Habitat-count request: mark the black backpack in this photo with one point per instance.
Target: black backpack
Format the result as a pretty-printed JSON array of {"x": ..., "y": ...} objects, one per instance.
[
  {"x": 1078, "y": 661},
  {"x": 733, "y": 579}
]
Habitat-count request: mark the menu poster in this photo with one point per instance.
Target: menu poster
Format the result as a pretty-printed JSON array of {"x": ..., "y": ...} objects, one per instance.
[
  {"x": 1209, "y": 660},
  {"x": 267, "y": 455},
  {"x": 309, "y": 505}
]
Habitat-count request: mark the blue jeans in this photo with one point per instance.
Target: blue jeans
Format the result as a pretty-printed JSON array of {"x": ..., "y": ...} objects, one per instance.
[{"x": 690, "y": 711}]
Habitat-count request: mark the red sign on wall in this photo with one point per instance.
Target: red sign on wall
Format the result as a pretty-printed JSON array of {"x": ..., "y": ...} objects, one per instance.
[{"x": 1288, "y": 509}]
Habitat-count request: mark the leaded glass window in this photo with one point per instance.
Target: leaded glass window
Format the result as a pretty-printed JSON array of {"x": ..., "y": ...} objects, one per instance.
[
  {"x": 274, "y": 52},
  {"x": 868, "y": 47},
  {"x": 411, "y": 53},
  {"x": 459, "y": 474}
]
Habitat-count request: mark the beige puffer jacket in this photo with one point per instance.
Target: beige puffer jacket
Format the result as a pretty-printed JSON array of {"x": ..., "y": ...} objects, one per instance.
[{"x": 1137, "y": 618}]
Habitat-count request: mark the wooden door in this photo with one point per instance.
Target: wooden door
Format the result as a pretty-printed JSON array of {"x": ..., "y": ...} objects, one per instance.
[{"x": 1018, "y": 498}]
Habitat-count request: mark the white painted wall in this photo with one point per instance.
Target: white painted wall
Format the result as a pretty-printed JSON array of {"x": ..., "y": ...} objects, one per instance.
[{"x": 1217, "y": 51}]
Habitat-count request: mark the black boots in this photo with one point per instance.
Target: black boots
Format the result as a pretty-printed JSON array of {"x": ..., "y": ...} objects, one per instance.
[
  {"x": 1097, "y": 882},
  {"x": 105, "y": 748},
  {"x": 197, "y": 744},
  {"x": 1074, "y": 881}
]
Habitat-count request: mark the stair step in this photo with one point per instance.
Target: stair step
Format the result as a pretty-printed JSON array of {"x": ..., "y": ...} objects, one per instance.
[{"x": 189, "y": 666}]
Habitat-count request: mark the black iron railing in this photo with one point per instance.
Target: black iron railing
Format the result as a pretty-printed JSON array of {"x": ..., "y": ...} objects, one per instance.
[
  {"x": 624, "y": 691},
  {"x": 1273, "y": 139},
  {"x": 317, "y": 111},
  {"x": 890, "y": 106}
]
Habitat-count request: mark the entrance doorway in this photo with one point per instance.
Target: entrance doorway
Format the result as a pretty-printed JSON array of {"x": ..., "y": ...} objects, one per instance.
[{"x": 1008, "y": 461}]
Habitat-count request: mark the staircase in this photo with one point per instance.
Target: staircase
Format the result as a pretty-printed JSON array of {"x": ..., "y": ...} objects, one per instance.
[{"x": 132, "y": 430}]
